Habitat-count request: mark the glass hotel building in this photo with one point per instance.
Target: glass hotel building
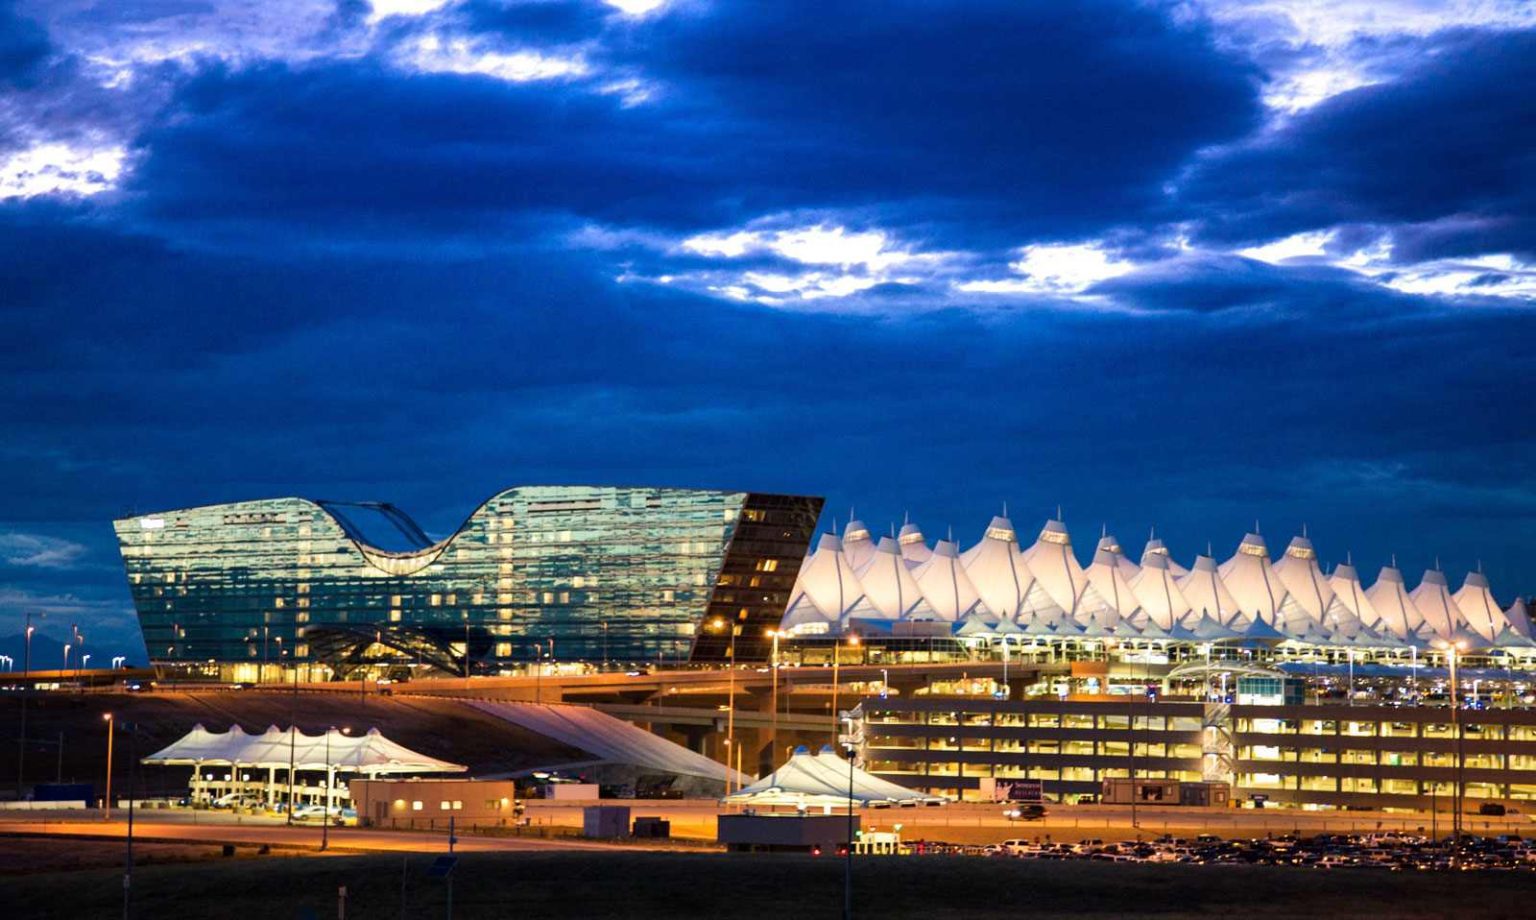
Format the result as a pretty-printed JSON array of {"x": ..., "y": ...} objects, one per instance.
[{"x": 597, "y": 573}]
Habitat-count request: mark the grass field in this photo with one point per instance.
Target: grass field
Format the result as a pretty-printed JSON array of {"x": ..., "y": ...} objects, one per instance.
[{"x": 570, "y": 885}]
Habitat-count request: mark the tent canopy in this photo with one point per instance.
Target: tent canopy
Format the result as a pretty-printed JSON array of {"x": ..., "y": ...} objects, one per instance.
[
  {"x": 811, "y": 780},
  {"x": 367, "y": 753}
]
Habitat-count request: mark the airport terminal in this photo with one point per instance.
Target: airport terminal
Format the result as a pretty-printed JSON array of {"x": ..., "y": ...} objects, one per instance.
[{"x": 684, "y": 645}]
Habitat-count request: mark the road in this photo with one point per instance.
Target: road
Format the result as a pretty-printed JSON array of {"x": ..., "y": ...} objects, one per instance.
[{"x": 278, "y": 835}]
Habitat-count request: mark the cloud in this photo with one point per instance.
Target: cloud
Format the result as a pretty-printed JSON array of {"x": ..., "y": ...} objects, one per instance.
[
  {"x": 1449, "y": 140},
  {"x": 1055, "y": 269},
  {"x": 27, "y": 550}
]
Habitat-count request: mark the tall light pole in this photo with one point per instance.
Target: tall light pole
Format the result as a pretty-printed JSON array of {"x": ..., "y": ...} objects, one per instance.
[
  {"x": 719, "y": 624},
  {"x": 837, "y": 655},
  {"x": 330, "y": 786},
  {"x": 21, "y": 739},
  {"x": 107, "y": 812},
  {"x": 1452, "y": 653},
  {"x": 773, "y": 732}
]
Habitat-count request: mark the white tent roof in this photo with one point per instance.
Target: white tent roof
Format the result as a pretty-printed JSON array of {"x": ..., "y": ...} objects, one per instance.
[
  {"x": 811, "y": 780},
  {"x": 1109, "y": 544},
  {"x": 1389, "y": 596},
  {"x": 857, "y": 544},
  {"x": 1157, "y": 591},
  {"x": 945, "y": 586},
  {"x": 1106, "y": 577},
  {"x": 1058, "y": 572},
  {"x": 1441, "y": 615},
  {"x": 1519, "y": 617},
  {"x": 1155, "y": 547},
  {"x": 1345, "y": 582},
  {"x": 914, "y": 548},
  {"x": 1207, "y": 592},
  {"x": 997, "y": 568},
  {"x": 367, "y": 753},
  {"x": 888, "y": 585},
  {"x": 1482, "y": 612},
  {"x": 1259, "y": 591},
  {"x": 1304, "y": 581},
  {"x": 825, "y": 591}
]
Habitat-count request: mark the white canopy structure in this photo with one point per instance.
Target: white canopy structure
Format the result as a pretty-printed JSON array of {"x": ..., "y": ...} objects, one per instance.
[
  {"x": 1441, "y": 615},
  {"x": 1519, "y": 632},
  {"x": 914, "y": 548},
  {"x": 857, "y": 545},
  {"x": 945, "y": 586},
  {"x": 1155, "y": 547},
  {"x": 1399, "y": 615},
  {"x": 996, "y": 566},
  {"x": 1044, "y": 592},
  {"x": 1345, "y": 582},
  {"x": 1157, "y": 591},
  {"x": 809, "y": 780},
  {"x": 825, "y": 591},
  {"x": 369, "y": 753},
  {"x": 1261, "y": 595},
  {"x": 890, "y": 591},
  {"x": 1305, "y": 583},
  {"x": 1107, "y": 579},
  {"x": 1060, "y": 576},
  {"x": 1207, "y": 592},
  {"x": 1480, "y": 610}
]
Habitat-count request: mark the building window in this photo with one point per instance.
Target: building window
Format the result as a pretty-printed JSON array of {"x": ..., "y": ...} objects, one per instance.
[{"x": 416, "y": 806}]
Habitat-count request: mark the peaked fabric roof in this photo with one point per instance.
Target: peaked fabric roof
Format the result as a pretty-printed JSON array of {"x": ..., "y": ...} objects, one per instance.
[
  {"x": 1207, "y": 592},
  {"x": 812, "y": 780},
  {"x": 1258, "y": 590},
  {"x": 945, "y": 586},
  {"x": 825, "y": 591},
  {"x": 1441, "y": 615},
  {"x": 1306, "y": 585},
  {"x": 1157, "y": 591},
  {"x": 367, "y": 753},
  {"x": 1056, "y": 569},
  {"x": 997, "y": 568},
  {"x": 1399, "y": 615},
  {"x": 857, "y": 544},
  {"x": 914, "y": 548},
  {"x": 888, "y": 585},
  {"x": 1480, "y": 611},
  {"x": 1156, "y": 547}
]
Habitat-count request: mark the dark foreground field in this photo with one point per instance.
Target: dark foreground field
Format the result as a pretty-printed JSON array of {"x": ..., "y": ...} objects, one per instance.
[{"x": 785, "y": 888}]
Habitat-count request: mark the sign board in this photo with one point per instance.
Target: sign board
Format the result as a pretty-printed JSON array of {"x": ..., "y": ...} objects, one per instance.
[{"x": 1020, "y": 790}]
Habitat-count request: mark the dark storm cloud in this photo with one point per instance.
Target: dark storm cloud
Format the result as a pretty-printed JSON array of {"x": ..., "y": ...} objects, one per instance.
[
  {"x": 24, "y": 47},
  {"x": 337, "y": 277},
  {"x": 1006, "y": 118},
  {"x": 1452, "y": 141}
]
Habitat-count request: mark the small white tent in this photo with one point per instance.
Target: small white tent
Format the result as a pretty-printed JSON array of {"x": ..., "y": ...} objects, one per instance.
[
  {"x": 809, "y": 780},
  {"x": 1156, "y": 547},
  {"x": 824, "y": 593},
  {"x": 1260, "y": 593},
  {"x": 1441, "y": 615},
  {"x": 1108, "y": 580},
  {"x": 857, "y": 545},
  {"x": 1109, "y": 544}
]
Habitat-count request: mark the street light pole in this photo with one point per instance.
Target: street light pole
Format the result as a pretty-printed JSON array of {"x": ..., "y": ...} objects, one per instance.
[
  {"x": 773, "y": 732},
  {"x": 325, "y": 818},
  {"x": 26, "y": 690},
  {"x": 107, "y": 811}
]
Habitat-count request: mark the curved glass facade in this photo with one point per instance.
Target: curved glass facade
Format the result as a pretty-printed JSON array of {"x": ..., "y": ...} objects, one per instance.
[{"x": 591, "y": 573}]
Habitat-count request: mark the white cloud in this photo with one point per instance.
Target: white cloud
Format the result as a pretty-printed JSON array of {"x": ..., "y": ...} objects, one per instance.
[
  {"x": 27, "y": 550},
  {"x": 1054, "y": 268},
  {"x": 384, "y": 8},
  {"x": 1310, "y": 244},
  {"x": 636, "y": 7},
  {"x": 58, "y": 168},
  {"x": 871, "y": 250},
  {"x": 434, "y": 54},
  {"x": 1316, "y": 49}
]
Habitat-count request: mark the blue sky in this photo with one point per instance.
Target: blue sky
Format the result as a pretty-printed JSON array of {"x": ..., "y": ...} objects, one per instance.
[{"x": 1183, "y": 265}]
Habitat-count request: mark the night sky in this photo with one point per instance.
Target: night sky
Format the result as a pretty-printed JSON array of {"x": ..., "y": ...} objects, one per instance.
[{"x": 1184, "y": 265}]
